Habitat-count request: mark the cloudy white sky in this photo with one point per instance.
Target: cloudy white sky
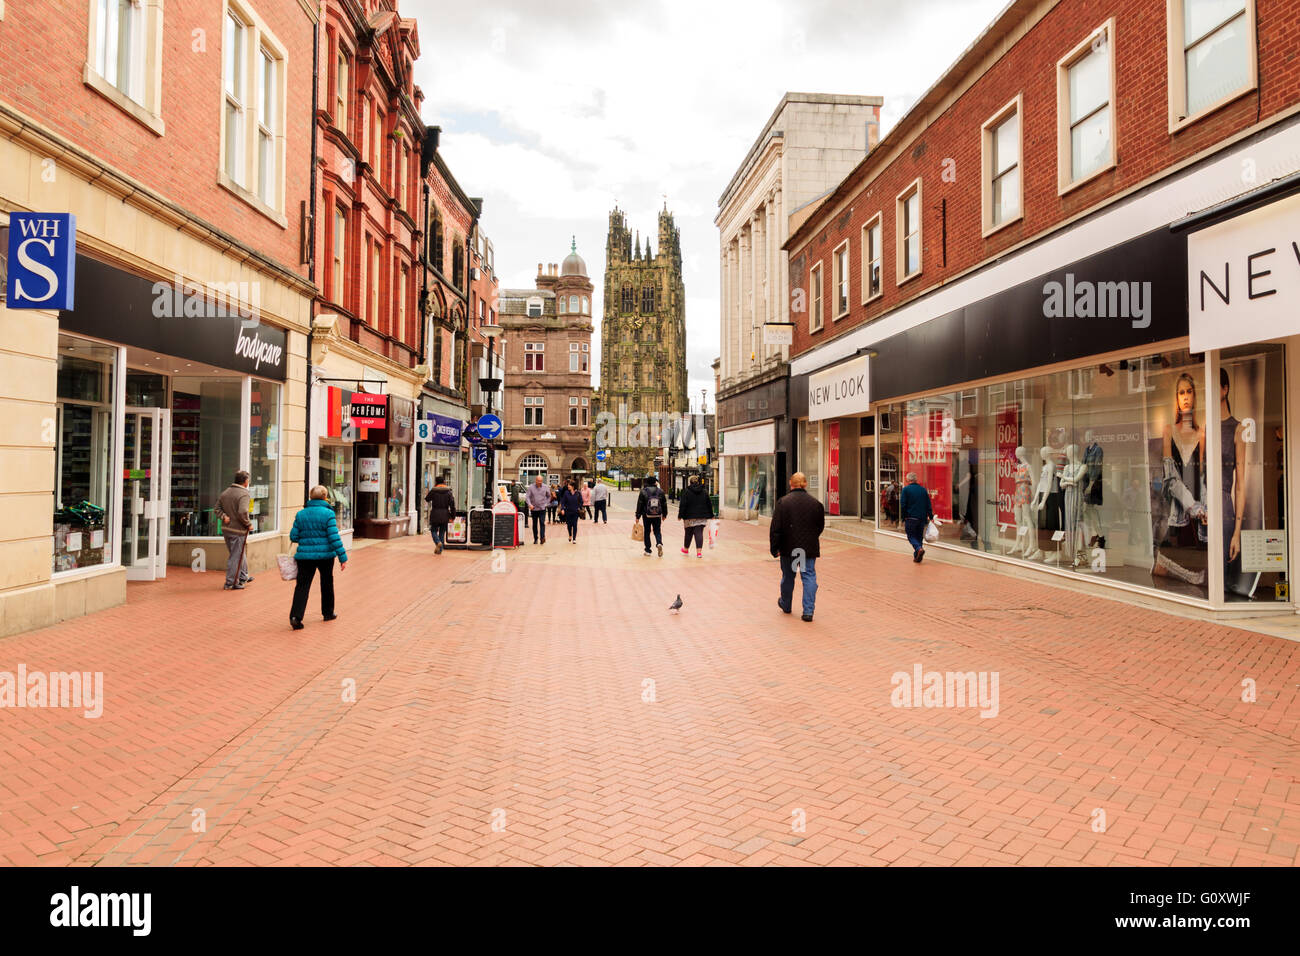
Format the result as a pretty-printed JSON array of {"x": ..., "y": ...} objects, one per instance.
[{"x": 553, "y": 111}]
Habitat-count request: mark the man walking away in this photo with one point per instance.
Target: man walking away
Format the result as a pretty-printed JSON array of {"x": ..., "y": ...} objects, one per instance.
[
  {"x": 233, "y": 507},
  {"x": 441, "y": 505},
  {"x": 914, "y": 503},
  {"x": 795, "y": 537},
  {"x": 651, "y": 506},
  {"x": 600, "y": 501},
  {"x": 694, "y": 511},
  {"x": 538, "y": 500}
]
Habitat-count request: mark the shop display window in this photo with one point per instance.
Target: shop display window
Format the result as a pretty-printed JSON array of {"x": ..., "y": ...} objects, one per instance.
[
  {"x": 335, "y": 473},
  {"x": 206, "y": 426},
  {"x": 1102, "y": 470},
  {"x": 395, "y": 491},
  {"x": 264, "y": 454},
  {"x": 83, "y": 485}
]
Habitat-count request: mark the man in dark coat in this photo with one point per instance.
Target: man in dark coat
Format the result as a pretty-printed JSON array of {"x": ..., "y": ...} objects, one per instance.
[
  {"x": 794, "y": 536},
  {"x": 917, "y": 513},
  {"x": 651, "y": 507},
  {"x": 441, "y": 505}
]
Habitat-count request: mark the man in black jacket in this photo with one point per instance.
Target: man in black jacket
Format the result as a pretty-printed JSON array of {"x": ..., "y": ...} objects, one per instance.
[
  {"x": 794, "y": 537},
  {"x": 442, "y": 505},
  {"x": 651, "y": 507}
]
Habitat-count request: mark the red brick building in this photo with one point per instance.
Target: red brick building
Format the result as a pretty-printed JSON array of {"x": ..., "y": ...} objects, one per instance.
[
  {"x": 181, "y": 144},
  {"x": 1008, "y": 297}
]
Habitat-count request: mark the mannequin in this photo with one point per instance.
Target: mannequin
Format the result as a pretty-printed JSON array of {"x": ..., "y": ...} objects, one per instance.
[
  {"x": 1073, "y": 477},
  {"x": 1093, "y": 458},
  {"x": 1183, "y": 530},
  {"x": 1025, "y": 540},
  {"x": 1233, "y": 451},
  {"x": 1043, "y": 496}
]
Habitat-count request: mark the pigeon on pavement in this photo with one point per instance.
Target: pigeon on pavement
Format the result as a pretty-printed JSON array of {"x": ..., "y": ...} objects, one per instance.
[{"x": 676, "y": 605}]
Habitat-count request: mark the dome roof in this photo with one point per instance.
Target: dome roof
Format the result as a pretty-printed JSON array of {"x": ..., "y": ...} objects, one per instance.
[{"x": 573, "y": 264}]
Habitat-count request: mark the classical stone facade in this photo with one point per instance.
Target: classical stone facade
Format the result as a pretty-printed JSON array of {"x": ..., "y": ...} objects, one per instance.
[
  {"x": 643, "y": 342},
  {"x": 548, "y": 403}
]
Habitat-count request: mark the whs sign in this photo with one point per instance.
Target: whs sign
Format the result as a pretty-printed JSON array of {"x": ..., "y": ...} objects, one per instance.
[{"x": 42, "y": 259}]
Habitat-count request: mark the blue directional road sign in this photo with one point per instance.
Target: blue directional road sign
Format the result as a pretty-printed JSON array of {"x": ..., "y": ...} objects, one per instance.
[
  {"x": 489, "y": 426},
  {"x": 602, "y": 455}
]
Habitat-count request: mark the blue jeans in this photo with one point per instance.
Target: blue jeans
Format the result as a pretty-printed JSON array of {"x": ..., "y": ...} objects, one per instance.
[
  {"x": 915, "y": 528},
  {"x": 809, "y": 577},
  {"x": 439, "y": 532}
]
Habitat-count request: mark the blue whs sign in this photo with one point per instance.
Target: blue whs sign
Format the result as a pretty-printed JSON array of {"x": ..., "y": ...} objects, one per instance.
[{"x": 42, "y": 259}]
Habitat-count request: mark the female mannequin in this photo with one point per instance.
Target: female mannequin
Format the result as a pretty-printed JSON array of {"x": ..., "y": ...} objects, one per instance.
[
  {"x": 1046, "y": 480},
  {"x": 1234, "y": 494},
  {"x": 1184, "y": 480},
  {"x": 1072, "y": 480},
  {"x": 1021, "y": 507}
]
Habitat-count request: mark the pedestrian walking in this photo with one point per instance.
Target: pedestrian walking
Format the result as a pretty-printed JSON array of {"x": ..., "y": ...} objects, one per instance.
[
  {"x": 651, "y": 506},
  {"x": 571, "y": 508},
  {"x": 914, "y": 503},
  {"x": 554, "y": 506},
  {"x": 236, "y": 523},
  {"x": 600, "y": 502},
  {"x": 538, "y": 500},
  {"x": 694, "y": 511},
  {"x": 586, "y": 498},
  {"x": 317, "y": 534},
  {"x": 441, "y": 504},
  {"x": 795, "y": 537}
]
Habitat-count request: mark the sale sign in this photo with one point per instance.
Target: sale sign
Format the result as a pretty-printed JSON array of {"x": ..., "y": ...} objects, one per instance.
[
  {"x": 928, "y": 441},
  {"x": 833, "y": 469},
  {"x": 1008, "y": 438}
]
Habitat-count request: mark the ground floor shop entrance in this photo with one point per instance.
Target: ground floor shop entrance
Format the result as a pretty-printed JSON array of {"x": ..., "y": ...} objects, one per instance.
[{"x": 146, "y": 480}]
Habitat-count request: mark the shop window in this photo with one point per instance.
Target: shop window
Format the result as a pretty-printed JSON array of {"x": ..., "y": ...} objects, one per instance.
[
  {"x": 206, "y": 434},
  {"x": 335, "y": 474},
  {"x": 1085, "y": 109},
  {"x": 264, "y": 454},
  {"x": 1001, "y": 153},
  {"x": 395, "y": 481},
  {"x": 83, "y": 469},
  {"x": 1211, "y": 56}
]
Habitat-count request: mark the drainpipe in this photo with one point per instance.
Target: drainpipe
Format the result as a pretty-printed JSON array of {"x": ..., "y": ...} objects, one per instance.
[{"x": 311, "y": 249}]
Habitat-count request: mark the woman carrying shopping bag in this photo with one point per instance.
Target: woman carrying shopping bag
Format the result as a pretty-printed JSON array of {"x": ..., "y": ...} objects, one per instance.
[
  {"x": 695, "y": 511},
  {"x": 317, "y": 535}
]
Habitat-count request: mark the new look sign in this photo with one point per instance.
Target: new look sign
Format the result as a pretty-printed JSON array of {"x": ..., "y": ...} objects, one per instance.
[
  {"x": 42, "y": 258},
  {"x": 840, "y": 390}
]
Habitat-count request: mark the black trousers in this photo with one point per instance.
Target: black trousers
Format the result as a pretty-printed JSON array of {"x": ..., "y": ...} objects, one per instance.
[
  {"x": 698, "y": 534},
  {"x": 539, "y": 524},
  {"x": 601, "y": 511},
  {"x": 647, "y": 526},
  {"x": 571, "y": 519},
  {"x": 307, "y": 569}
]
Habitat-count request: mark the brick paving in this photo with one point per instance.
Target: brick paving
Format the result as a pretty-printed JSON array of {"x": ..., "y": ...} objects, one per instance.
[{"x": 505, "y": 718}]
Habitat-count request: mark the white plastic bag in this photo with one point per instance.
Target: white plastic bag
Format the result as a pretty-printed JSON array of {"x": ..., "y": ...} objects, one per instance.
[
  {"x": 932, "y": 530},
  {"x": 714, "y": 525},
  {"x": 288, "y": 566}
]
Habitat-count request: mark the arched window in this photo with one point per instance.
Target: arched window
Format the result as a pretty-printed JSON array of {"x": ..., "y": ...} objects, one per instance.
[
  {"x": 648, "y": 299},
  {"x": 573, "y": 304},
  {"x": 586, "y": 308},
  {"x": 629, "y": 299},
  {"x": 532, "y": 463},
  {"x": 435, "y": 246},
  {"x": 561, "y": 303}
]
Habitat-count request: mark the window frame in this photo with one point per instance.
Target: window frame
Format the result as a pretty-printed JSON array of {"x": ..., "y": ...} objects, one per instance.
[
  {"x": 900, "y": 236},
  {"x": 147, "y": 107},
  {"x": 876, "y": 221},
  {"x": 537, "y": 405},
  {"x": 840, "y": 254},
  {"x": 816, "y": 279},
  {"x": 339, "y": 254},
  {"x": 988, "y": 136},
  {"x": 1178, "y": 66},
  {"x": 1064, "y": 151},
  {"x": 342, "y": 94}
]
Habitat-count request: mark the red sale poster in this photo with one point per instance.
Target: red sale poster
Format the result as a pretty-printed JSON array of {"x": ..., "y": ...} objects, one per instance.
[
  {"x": 927, "y": 451},
  {"x": 1008, "y": 438},
  {"x": 833, "y": 469}
]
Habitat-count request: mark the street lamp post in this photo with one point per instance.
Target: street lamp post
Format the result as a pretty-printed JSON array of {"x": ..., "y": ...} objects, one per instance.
[{"x": 489, "y": 385}]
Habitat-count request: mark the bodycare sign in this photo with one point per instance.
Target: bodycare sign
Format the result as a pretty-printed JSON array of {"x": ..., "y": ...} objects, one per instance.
[{"x": 839, "y": 391}]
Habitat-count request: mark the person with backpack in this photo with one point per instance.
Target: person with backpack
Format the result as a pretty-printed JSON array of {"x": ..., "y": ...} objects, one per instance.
[
  {"x": 570, "y": 503},
  {"x": 694, "y": 511},
  {"x": 651, "y": 506},
  {"x": 441, "y": 505}
]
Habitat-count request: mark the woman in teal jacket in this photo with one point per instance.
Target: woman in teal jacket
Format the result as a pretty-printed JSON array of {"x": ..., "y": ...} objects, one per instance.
[{"x": 317, "y": 535}]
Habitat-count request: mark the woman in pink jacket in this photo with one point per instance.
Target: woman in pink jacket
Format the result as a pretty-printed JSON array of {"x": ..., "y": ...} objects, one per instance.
[{"x": 586, "y": 499}]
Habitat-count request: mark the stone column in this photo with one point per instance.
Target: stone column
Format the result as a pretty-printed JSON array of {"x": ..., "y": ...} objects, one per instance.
[
  {"x": 745, "y": 292},
  {"x": 773, "y": 266}
]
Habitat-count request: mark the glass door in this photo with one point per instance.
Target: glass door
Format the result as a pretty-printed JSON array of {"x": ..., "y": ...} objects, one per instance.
[
  {"x": 868, "y": 473},
  {"x": 144, "y": 494}
]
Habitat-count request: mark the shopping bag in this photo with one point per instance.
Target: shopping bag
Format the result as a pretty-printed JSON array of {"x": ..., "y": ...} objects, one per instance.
[
  {"x": 932, "y": 530},
  {"x": 714, "y": 525},
  {"x": 637, "y": 534},
  {"x": 288, "y": 566}
]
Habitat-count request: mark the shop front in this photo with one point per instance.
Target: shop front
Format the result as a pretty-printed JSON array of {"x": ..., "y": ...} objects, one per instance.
[
  {"x": 162, "y": 395},
  {"x": 752, "y": 435},
  {"x": 445, "y": 457},
  {"x": 335, "y": 466},
  {"x": 385, "y": 427},
  {"x": 836, "y": 441}
]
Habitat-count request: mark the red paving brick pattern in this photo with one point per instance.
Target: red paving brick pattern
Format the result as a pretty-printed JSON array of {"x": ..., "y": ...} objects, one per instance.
[{"x": 558, "y": 713}]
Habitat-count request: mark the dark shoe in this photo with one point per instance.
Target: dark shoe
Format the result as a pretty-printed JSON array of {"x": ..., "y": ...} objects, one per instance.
[
  {"x": 295, "y": 624},
  {"x": 807, "y": 617},
  {"x": 916, "y": 556},
  {"x": 920, "y": 556},
  {"x": 234, "y": 587},
  {"x": 784, "y": 609},
  {"x": 330, "y": 617},
  {"x": 248, "y": 580},
  {"x": 437, "y": 548}
]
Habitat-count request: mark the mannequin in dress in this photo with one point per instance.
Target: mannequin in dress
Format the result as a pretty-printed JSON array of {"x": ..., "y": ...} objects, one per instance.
[
  {"x": 1233, "y": 450},
  {"x": 1024, "y": 475},
  {"x": 1046, "y": 482},
  {"x": 1183, "y": 487},
  {"x": 1093, "y": 458},
  {"x": 1073, "y": 477}
]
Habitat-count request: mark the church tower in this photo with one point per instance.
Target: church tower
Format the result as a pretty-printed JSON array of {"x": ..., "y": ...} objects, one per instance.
[{"x": 643, "y": 338}]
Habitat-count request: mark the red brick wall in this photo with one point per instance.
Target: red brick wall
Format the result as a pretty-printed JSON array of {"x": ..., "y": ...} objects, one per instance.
[
  {"x": 1144, "y": 146},
  {"x": 42, "y": 54}
]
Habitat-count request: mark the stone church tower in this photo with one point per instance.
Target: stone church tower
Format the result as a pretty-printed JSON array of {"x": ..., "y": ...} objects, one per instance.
[{"x": 643, "y": 341}]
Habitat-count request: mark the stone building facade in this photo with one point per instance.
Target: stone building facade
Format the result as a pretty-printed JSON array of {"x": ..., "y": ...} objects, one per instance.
[
  {"x": 643, "y": 342},
  {"x": 548, "y": 395}
]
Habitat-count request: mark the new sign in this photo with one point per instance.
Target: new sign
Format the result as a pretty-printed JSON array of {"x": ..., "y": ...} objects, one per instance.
[
  {"x": 841, "y": 390},
  {"x": 42, "y": 259},
  {"x": 1243, "y": 278}
]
